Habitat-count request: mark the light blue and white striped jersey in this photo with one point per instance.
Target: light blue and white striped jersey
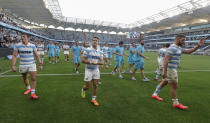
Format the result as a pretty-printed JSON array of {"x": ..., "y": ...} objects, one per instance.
[
  {"x": 40, "y": 47},
  {"x": 175, "y": 52},
  {"x": 26, "y": 53},
  {"x": 105, "y": 50},
  {"x": 93, "y": 55}
]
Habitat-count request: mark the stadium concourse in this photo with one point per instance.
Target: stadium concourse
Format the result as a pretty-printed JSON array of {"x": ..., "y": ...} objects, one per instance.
[{"x": 56, "y": 67}]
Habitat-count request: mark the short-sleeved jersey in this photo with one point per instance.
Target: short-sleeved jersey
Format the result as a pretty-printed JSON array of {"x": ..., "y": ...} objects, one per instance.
[
  {"x": 26, "y": 53},
  {"x": 110, "y": 50},
  {"x": 57, "y": 48},
  {"x": 175, "y": 52},
  {"x": 40, "y": 47},
  {"x": 137, "y": 56},
  {"x": 92, "y": 55},
  {"x": 119, "y": 50},
  {"x": 66, "y": 47},
  {"x": 105, "y": 50},
  {"x": 51, "y": 47},
  {"x": 76, "y": 51},
  {"x": 131, "y": 49}
]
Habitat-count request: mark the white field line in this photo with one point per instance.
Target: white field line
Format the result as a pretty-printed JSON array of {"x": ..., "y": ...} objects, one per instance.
[
  {"x": 74, "y": 74},
  {"x": 5, "y": 72},
  {"x": 8, "y": 71}
]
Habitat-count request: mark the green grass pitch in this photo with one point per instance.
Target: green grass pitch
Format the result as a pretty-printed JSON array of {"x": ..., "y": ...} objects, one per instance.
[{"x": 121, "y": 100}]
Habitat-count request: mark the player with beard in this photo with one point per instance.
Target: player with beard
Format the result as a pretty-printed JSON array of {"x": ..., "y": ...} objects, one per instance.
[
  {"x": 139, "y": 61},
  {"x": 171, "y": 63}
]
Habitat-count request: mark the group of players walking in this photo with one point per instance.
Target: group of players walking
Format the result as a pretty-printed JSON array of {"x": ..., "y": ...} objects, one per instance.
[{"x": 95, "y": 57}]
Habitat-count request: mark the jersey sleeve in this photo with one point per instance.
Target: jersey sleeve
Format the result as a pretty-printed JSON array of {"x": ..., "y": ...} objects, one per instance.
[
  {"x": 171, "y": 51},
  {"x": 34, "y": 48},
  {"x": 182, "y": 49},
  {"x": 138, "y": 49}
]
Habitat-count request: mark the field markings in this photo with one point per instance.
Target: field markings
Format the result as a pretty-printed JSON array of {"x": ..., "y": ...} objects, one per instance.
[
  {"x": 74, "y": 74},
  {"x": 6, "y": 72}
]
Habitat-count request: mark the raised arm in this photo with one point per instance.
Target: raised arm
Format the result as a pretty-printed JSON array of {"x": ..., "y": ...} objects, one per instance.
[{"x": 200, "y": 43}]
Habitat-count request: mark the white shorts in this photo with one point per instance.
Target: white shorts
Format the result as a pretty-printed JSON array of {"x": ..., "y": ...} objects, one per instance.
[
  {"x": 160, "y": 63},
  {"x": 40, "y": 52},
  {"x": 91, "y": 74},
  {"x": 172, "y": 76},
  {"x": 66, "y": 52},
  {"x": 27, "y": 68}
]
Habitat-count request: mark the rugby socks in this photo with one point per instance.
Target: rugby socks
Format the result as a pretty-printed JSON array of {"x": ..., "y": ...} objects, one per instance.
[
  {"x": 93, "y": 97},
  {"x": 157, "y": 90},
  {"x": 175, "y": 101},
  {"x": 32, "y": 91},
  {"x": 28, "y": 87}
]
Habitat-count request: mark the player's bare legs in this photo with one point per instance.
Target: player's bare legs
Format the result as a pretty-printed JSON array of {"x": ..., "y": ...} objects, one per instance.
[{"x": 26, "y": 81}]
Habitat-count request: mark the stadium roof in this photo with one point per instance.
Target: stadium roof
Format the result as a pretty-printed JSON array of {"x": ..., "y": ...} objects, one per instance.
[{"x": 48, "y": 12}]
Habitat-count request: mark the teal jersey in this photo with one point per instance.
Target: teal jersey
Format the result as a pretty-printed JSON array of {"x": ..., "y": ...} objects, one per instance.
[
  {"x": 51, "y": 48},
  {"x": 137, "y": 56},
  {"x": 131, "y": 49},
  {"x": 57, "y": 48},
  {"x": 110, "y": 50},
  {"x": 119, "y": 50},
  {"x": 76, "y": 51}
]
